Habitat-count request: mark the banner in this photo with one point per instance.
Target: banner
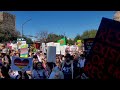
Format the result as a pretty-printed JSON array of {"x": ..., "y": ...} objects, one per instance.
[
  {"x": 104, "y": 57},
  {"x": 21, "y": 64},
  {"x": 62, "y": 41},
  {"x": 51, "y": 54},
  {"x": 88, "y": 44}
]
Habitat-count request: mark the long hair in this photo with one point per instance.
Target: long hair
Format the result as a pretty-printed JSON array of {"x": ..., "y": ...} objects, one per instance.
[{"x": 36, "y": 68}]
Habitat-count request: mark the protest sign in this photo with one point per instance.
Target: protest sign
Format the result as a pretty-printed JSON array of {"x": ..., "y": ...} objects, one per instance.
[
  {"x": 104, "y": 57},
  {"x": 24, "y": 51},
  {"x": 62, "y": 49},
  {"x": 50, "y": 44},
  {"x": 88, "y": 44},
  {"x": 19, "y": 43},
  {"x": 24, "y": 46},
  {"x": 43, "y": 48},
  {"x": 51, "y": 54},
  {"x": 79, "y": 43},
  {"x": 24, "y": 55},
  {"x": 20, "y": 39},
  {"x": 21, "y": 64},
  {"x": 57, "y": 45}
]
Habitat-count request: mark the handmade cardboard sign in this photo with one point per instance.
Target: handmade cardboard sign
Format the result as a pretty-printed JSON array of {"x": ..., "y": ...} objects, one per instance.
[
  {"x": 51, "y": 54},
  {"x": 88, "y": 44},
  {"x": 104, "y": 58},
  {"x": 21, "y": 64}
]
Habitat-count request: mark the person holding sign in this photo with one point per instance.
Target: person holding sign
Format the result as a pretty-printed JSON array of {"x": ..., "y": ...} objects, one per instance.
[
  {"x": 39, "y": 72},
  {"x": 56, "y": 73}
]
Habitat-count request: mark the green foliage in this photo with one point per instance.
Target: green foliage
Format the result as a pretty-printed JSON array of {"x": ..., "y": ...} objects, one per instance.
[
  {"x": 78, "y": 37},
  {"x": 89, "y": 34},
  {"x": 70, "y": 41},
  {"x": 7, "y": 35},
  {"x": 54, "y": 37},
  {"x": 28, "y": 40}
]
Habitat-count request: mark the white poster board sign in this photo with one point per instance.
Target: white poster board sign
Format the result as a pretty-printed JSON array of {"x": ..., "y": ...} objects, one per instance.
[
  {"x": 43, "y": 48},
  {"x": 19, "y": 43},
  {"x": 50, "y": 44},
  {"x": 62, "y": 50},
  {"x": 51, "y": 54},
  {"x": 57, "y": 45}
]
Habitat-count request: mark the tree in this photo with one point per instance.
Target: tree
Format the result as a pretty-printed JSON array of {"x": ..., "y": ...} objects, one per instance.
[
  {"x": 28, "y": 40},
  {"x": 54, "y": 37},
  {"x": 70, "y": 41},
  {"x": 42, "y": 36},
  {"x": 78, "y": 37},
  {"x": 7, "y": 35},
  {"x": 89, "y": 34}
]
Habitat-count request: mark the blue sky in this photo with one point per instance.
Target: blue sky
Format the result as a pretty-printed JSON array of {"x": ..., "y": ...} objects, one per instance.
[{"x": 59, "y": 22}]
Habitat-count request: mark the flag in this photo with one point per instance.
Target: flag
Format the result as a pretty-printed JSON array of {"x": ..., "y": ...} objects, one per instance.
[{"x": 62, "y": 41}]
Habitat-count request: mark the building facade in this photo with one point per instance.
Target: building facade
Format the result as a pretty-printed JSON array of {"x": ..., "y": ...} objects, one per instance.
[
  {"x": 117, "y": 16},
  {"x": 7, "y": 21}
]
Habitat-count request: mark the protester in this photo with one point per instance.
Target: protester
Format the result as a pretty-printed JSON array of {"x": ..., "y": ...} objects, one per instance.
[
  {"x": 22, "y": 75},
  {"x": 56, "y": 73},
  {"x": 13, "y": 74},
  {"x": 81, "y": 63},
  {"x": 5, "y": 66},
  {"x": 35, "y": 60},
  {"x": 47, "y": 70},
  {"x": 67, "y": 67},
  {"x": 76, "y": 65},
  {"x": 39, "y": 72}
]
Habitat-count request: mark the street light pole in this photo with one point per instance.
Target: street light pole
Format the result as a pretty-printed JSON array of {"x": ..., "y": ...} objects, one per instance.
[{"x": 24, "y": 24}]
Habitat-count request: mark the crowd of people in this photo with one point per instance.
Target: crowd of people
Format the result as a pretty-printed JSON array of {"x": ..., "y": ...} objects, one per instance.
[{"x": 66, "y": 66}]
